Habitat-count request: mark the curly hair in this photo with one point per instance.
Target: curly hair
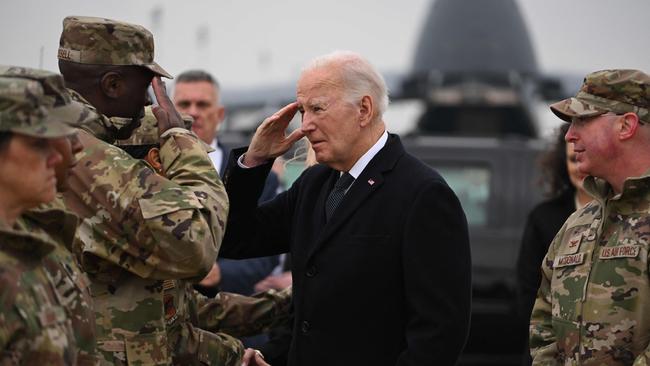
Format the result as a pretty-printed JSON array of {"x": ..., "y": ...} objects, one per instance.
[{"x": 555, "y": 176}]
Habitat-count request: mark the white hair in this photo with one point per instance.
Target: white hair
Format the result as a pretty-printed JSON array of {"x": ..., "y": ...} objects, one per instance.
[{"x": 358, "y": 76}]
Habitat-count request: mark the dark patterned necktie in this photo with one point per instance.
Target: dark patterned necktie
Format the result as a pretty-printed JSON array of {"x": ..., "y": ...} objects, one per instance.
[{"x": 337, "y": 194}]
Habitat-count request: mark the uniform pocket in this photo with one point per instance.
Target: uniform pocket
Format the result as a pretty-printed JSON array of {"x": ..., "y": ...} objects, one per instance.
[
  {"x": 168, "y": 201},
  {"x": 216, "y": 348},
  {"x": 147, "y": 349},
  {"x": 567, "y": 334}
]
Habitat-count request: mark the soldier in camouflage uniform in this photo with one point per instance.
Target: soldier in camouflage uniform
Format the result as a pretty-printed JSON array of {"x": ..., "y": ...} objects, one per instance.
[
  {"x": 61, "y": 266},
  {"x": 592, "y": 305},
  {"x": 189, "y": 314},
  {"x": 35, "y": 327},
  {"x": 137, "y": 228}
]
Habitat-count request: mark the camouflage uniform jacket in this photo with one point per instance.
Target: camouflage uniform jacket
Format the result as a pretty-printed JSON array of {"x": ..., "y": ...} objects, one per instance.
[
  {"x": 187, "y": 312},
  {"x": 201, "y": 330},
  {"x": 242, "y": 316},
  {"x": 592, "y": 306},
  {"x": 71, "y": 283},
  {"x": 34, "y": 327},
  {"x": 138, "y": 229},
  {"x": 199, "y": 336}
]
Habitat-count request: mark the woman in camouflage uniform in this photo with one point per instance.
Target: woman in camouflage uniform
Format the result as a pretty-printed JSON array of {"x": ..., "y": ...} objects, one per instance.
[{"x": 34, "y": 328}]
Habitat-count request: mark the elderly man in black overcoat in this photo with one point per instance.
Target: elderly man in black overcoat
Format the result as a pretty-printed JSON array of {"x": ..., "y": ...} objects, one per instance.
[{"x": 379, "y": 242}]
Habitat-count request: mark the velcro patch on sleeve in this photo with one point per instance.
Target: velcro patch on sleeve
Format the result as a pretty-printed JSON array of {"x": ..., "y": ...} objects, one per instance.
[{"x": 573, "y": 245}]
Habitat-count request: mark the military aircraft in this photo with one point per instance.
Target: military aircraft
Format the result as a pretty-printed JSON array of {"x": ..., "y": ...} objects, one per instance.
[{"x": 467, "y": 108}]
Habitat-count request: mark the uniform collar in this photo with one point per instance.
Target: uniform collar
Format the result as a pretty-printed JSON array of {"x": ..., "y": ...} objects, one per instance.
[
  {"x": 55, "y": 220},
  {"x": 36, "y": 244},
  {"x": 632, "y": 187},
  {"x": 102, "y": 127}
]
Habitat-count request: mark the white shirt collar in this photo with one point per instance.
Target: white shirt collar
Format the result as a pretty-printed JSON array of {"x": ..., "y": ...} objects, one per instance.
[
  {"x": 215, "y": 143},
  {"x": 363, "y": 161},
  {"x": 216, "y": 156}
]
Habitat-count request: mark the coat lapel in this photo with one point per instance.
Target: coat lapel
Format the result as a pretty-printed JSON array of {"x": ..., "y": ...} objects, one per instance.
[
  {"x": 224, "y": 158},
  {"x": 371, "y": 178}
]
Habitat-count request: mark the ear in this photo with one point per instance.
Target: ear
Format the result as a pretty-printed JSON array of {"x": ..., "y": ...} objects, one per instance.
[
  {"x": 627, "y": 125},
  {"x": 366, "y": 110},
  {"x": 221, "y": 113},
  {"x": 153, "y": 158},
  {"x": 112, "y": 84}
]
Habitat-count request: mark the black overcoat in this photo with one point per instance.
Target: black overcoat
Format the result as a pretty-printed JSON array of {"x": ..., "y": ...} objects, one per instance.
[{"x": 385, "y": 282}]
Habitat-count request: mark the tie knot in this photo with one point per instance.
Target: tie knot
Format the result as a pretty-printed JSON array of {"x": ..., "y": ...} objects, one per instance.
[{"x": 344, "y": 181}]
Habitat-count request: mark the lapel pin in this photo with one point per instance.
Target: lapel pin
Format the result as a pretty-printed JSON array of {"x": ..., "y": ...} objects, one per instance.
[{"x": 370, "y": 181}]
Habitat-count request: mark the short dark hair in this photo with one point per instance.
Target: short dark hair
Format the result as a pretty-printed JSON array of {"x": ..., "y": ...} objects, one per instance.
[
  {"x": 195, "y": 76},
  {"x": 139, "y": 151}
]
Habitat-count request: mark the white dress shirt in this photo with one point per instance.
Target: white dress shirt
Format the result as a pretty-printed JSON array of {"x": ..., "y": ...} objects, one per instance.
[
  {"x": 216, "y": 156},
  {"x": 363, "y": 161}
]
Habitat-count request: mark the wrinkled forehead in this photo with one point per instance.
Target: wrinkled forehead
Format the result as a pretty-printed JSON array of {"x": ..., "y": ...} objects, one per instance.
[{"x": 318, "y": 84}]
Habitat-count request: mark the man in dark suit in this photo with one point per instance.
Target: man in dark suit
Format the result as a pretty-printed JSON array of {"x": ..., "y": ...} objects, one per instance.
[
  {"x": 381, "y": 265},
  {"x": 197, "y": 93}
]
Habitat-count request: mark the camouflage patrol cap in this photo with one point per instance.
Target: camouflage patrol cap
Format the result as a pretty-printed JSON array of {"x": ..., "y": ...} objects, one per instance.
[
  {"x": 101, "y": 41},
  {"x": 23, "y": 109},
  {"x": 617, "y": 91},
  {"x": 56, "y": 96}
]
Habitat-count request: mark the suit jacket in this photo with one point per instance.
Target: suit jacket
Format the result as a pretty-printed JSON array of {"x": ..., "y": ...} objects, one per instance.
[
  {"x": 271, "y": 185},
  {"x": 385, "y": 282}
]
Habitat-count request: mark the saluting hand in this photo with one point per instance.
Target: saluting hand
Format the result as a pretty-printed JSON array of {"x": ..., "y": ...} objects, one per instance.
[
  {"x": 270, "y": 139},
  {"x": 165, "y": 112}
]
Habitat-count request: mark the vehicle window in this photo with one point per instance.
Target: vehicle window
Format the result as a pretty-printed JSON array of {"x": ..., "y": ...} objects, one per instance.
[
  {"x": 472, "y": 186},
  {"x": 471, "y": 183}
]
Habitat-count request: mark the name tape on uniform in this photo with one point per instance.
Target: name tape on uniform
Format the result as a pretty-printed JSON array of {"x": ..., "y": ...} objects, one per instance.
[
  {"x": 569, "y": 260},
  {"x": 68, "y": 54},
  {"x": 621, "y": 251}
]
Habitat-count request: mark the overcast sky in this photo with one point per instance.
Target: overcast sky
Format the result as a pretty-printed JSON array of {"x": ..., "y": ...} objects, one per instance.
[{"x": 252, "y": 42}]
